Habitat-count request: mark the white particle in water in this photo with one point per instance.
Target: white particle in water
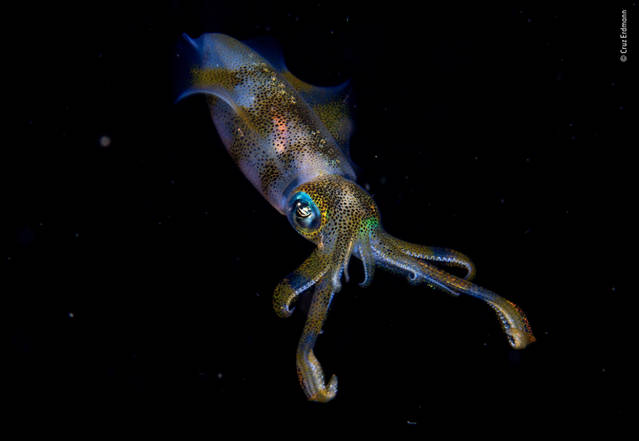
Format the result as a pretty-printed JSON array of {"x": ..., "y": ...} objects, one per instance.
[{"x": 105, "y": 141}]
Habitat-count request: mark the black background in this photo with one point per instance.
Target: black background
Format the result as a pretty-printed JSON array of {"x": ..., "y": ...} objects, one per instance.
[{"x": 139, "y": 275}]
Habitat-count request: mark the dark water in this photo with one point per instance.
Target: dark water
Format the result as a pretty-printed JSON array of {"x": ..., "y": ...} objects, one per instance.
[{"x": 139, "y": 263}]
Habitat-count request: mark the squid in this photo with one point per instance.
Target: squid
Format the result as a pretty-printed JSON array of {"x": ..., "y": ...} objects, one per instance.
[{"x": 291, "y": 140}]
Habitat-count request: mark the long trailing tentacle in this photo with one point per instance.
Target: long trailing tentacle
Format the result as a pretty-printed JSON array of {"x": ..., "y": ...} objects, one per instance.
[
  {"x": 434, "y": 254},
  {"x": 309, "y": 370},
  {"x": 323, "y": 269},
  {"x": 512, "y": 318}
]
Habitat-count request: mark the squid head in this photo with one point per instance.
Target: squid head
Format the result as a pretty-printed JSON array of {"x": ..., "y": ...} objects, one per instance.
[{"x": 342, "y": 219}]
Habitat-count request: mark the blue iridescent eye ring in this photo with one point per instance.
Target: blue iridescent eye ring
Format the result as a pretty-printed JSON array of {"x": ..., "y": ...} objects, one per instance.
[{"x": 303, "y": 213}]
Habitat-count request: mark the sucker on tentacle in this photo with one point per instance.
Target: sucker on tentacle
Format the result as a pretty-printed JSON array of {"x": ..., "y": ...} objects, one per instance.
[
  {"x": 290, "y": 139},
  {"x": 511, "y": 317},
  {"x": 436, "y": 254}
]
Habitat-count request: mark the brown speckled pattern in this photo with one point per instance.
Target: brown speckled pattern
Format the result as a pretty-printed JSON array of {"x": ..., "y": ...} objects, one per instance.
[
  {"x": 269, "y": 130},
  {"x": 293, "y": 152}
]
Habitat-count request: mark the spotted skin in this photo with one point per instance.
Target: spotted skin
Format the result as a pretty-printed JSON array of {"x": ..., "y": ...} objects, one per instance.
[
  {"x": 270, "y": 131},
  {"x": 290, "y": 139}
]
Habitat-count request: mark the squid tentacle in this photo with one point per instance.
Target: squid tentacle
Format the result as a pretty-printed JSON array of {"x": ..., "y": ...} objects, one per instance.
[
  {"x": 344, "y": 267},
  {"x": 330, "y": 262},
  {"x": 365, "y": 254},
  {"x": 309, "y": 370},
  {"x": 445, "y": 256},
  {"x": 512, "y": 318},
  {"x": 303, "y": 278}
]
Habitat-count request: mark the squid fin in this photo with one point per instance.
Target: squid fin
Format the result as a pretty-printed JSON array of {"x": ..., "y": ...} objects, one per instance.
[{"x": 206, "y": 65}]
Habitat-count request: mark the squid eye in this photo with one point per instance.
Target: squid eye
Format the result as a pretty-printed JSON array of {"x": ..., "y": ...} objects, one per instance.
[{"x": 303, "y": 213}]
